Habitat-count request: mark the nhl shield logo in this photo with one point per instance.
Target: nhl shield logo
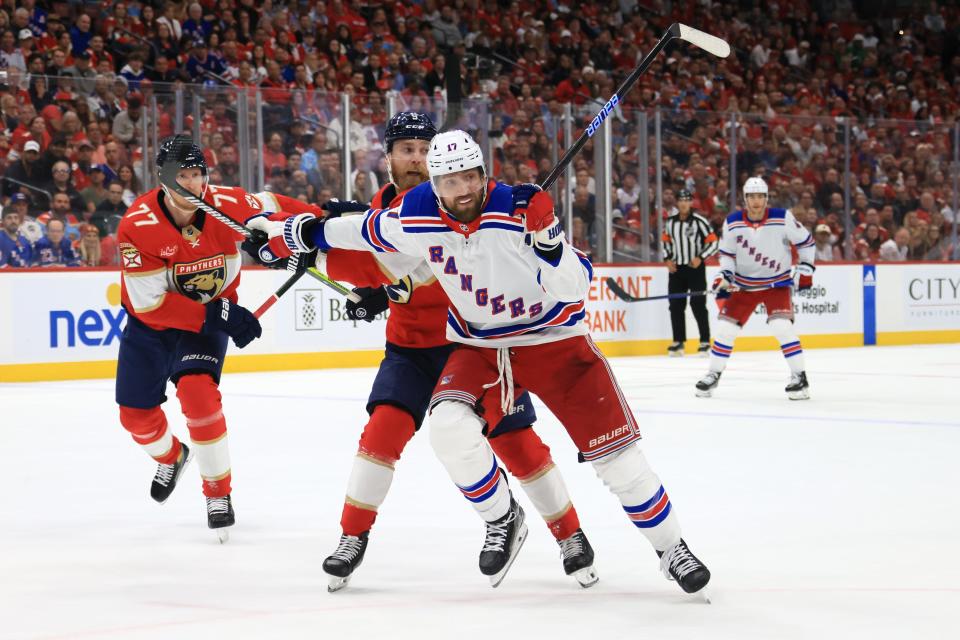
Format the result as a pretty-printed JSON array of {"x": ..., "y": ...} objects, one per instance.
[
  {"x": 308, "y": 316},
  {"x": 201, "y": 280}
]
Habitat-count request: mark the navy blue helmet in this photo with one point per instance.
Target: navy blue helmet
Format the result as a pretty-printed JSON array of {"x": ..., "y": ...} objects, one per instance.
[
  {"x": 408, "y": 125},
  {"x": 182, "y": 152}
]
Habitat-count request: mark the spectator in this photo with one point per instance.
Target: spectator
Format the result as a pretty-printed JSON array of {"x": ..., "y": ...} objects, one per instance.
[
  {"x": 94, "y": 251},
  {"x": 15, "y": 249},
  {"x": 867, "y": 247},
  {"x": 61, "y": 183},
  {"x": 827, "y": 251},
  {"x": 61, "y": 210},
  {"x": 939, "y": 246},
  {"x": 54, "y": 250},
  {"x": 112, "y": 208},
  {"x": 133, "y": 71},
  {"x": 895, "y": 249},
  {"x": 128, "y": 124},
  {"x": 83, "y": 74},
  {"x": 585, "y": 207},
  {"x": 25, "y": 171},
  {"x": 128, "y": 179},
  {"x": 80, "y": 33},
  {"x": 113, "y": 159},
  {"x": 273, "y": 155},
  {"x": 96, "y": 192}
]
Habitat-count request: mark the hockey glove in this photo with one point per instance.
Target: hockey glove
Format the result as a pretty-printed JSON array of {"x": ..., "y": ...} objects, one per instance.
[
  {"x": 723, "y": 284},
  {"x": 373, "y": 302},
  {"x": 336, "y": 208},
  {"x": 536, "y": 207},
  {"x": 804, "y": 276},
  {"x": 234, "y": 320},
  {"x": 286, "y": 237}
]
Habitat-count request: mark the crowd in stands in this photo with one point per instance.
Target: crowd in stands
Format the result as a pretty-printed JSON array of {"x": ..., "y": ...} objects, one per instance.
[{"x": 79, "y": 82}]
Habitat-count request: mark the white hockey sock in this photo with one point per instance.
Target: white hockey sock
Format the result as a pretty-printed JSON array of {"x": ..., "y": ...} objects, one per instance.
[
  {"x": 369, "y": 482},
  {"x": 628, "y": 475},
  {"x": 786, "y": 334},
  {"x": 548, "y": 493},
  {"x": 722, "y": 346},
  {"x": 456, "y": 434}
]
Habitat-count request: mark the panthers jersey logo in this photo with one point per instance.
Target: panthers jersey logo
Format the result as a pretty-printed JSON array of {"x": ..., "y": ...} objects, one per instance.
[
  {"x": 400, "y": 292},
  {"x": 201, "y": 280}
]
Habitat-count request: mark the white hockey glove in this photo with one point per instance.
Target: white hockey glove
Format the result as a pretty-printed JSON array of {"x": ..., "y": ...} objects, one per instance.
[
  {"x": 723, "y": 284},
  {"x": 285, "y": 237}
]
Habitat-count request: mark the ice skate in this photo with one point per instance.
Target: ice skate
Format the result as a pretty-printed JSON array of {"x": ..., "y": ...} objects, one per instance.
[
  {"x": 165, "y": 480},
  {"x": 704, "y": 349},
  {"x": 799, "y": 388},
  {"x": 341, "y": 564},
  {"x": 707, "y": 384},
  {"x": 577, "y": 557},
  {"x": 678, "y": 563},
  {"x": 220, "y": 516},
  {"x": 675, "y": 350},
  {"x": 504, "y": 539}
]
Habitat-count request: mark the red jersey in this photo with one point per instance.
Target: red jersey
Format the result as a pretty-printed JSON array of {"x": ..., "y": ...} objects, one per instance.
[
  {"x": 169, "y": 273},
  {"x": 419, "y": 323}
]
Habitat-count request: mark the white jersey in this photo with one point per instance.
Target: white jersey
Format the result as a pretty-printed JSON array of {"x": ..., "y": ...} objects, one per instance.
[
  {"x": 758, "y": 253},
  {"x": 502, "y": 293}
]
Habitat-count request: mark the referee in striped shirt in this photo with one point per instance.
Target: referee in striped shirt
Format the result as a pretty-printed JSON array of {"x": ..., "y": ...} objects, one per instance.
[{"x": 688, "y": 240}]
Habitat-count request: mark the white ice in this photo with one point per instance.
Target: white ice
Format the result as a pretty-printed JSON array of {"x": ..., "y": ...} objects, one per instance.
[{"x": 838, "y": 517}]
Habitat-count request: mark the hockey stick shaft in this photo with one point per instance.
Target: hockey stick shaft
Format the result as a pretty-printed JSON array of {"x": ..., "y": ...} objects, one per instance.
[
  {"x": 707, "y": 42},
  {"x": 626, "y": 297}
]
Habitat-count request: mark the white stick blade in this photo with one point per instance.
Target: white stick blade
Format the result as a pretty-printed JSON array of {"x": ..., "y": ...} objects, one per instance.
[{"x": 705, "y": 41}]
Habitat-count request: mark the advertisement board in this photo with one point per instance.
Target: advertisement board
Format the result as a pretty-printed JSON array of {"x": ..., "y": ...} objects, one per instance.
[{"x": 60, "y": 324}]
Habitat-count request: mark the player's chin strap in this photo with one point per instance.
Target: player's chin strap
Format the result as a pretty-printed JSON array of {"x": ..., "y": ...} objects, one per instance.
[{"x": 505, "y": 369}]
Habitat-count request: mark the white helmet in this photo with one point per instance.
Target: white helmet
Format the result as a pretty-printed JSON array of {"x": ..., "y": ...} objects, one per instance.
[
  {"x": 453, "y": 151},
  {"x": 754, "y": 185}
]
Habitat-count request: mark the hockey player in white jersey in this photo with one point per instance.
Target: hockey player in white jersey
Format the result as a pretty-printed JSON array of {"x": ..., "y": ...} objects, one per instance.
[
  {"x": 755, "y": 268},
  {"x": 517, "y": 291}
]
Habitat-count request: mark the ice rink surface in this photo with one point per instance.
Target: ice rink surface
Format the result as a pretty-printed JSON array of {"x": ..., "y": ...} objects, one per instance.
[{"x": 838, "y": 517}]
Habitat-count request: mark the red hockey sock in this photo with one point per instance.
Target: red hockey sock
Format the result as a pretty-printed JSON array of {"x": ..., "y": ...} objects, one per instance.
[
  {"x": 200, "y": 400},
  {"x": 385, "y": 435},
  {"x": 523, "y": 452},
  {"x": 148, "y": 427}
]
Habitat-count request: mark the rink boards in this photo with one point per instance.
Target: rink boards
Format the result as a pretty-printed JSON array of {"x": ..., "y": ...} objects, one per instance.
[{"x": 59, "y": 324}]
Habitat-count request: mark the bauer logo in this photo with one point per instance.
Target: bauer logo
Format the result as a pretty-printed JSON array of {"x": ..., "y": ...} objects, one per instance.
[
  {"x": 600, "y": 117},
  {"x": 308, "y": 315},
  {"x": 89, "y": 327}
]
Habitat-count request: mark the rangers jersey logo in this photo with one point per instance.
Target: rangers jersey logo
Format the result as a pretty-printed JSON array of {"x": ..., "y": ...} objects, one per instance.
[
  {"x": 201, "y": 280},
  {"x": 131, "y": 256}
]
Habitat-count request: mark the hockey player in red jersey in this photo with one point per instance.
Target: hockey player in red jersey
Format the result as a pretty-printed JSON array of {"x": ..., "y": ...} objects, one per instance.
[
  {"x": 180, "y": 272},
  {"x": 416, "y": 352}
]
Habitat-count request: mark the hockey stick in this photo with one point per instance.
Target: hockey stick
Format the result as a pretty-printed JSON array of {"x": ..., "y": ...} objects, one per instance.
[
  {"x": 168, "y": 177},
  {"x": 707, "y": 42},
  {"x": 626, "y": 297}
]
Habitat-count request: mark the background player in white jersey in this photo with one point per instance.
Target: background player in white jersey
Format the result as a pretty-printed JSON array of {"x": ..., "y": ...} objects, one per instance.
[
  {"x": 755, "y": 268},
  {"x": 517, "y": 291}
]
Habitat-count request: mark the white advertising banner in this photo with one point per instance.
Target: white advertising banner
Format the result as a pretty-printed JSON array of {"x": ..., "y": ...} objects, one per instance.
[
  {"x": 918, "y": 296},
  {"x": 75, "y": 316}
]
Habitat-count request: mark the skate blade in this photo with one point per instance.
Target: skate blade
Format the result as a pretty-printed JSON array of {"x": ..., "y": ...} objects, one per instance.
[
  {"x": 337, "y": 583},
  {"x": 799, "y": 395},
  {"x": 704, "y": 595},
  {"x": 704, "y": 394},
  {"x": 497, "y": 578},
  {"x": 675, "y": 354},
  {"x": 223, "y": 534},
  {"x": 587, "y": 577}
]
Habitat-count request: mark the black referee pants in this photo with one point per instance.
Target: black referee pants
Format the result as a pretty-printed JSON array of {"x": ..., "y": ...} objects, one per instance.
[{"x": 686, "y": 279}]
